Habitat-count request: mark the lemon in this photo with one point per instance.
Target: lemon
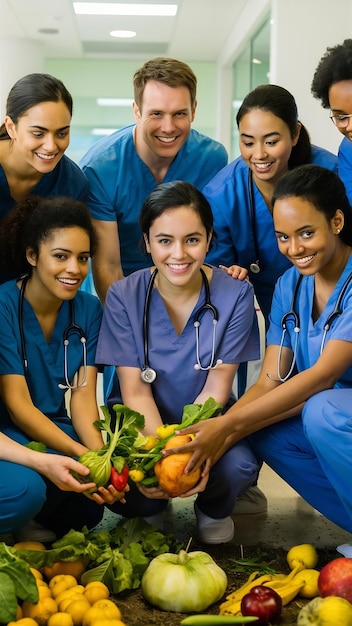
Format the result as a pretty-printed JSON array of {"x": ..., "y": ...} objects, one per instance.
[
  {"x": 41, "y": 611},
  {"x": 60, "y": 619},
  {"x": 303, "y": 556},
  {"x": 77, "y": 609},
  {"x": 310, "y": 579}
]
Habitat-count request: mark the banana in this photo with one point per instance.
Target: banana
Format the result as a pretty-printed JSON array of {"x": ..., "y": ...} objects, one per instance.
[
  {"x": 288, "y": 591},
  {"x": 251, "y": 582}
]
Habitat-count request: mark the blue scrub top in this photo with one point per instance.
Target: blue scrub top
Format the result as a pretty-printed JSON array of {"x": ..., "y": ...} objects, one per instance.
[
  {"x": 345, "y": 166},
  {"x": 173, "y": 356},
  {"x": 45, "y": 359},
  {"x": 120, "y": 182},
  {"x": 311, "y": 333},
  {"x": 229, "y": 198},
  {"x": 66, "y": 179}
]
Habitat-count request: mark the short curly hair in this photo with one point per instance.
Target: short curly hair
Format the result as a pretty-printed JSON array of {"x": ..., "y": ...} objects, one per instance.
[{"x": 334, "y": 66}]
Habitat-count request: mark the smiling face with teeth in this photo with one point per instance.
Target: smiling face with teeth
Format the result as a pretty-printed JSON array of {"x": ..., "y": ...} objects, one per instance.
[
  {"x": 40, "y": 137},
  {"x": 163, "y": 123},
  {"x": 61, "y": 264},
  {"x": 306, "y": 237},
  {"x": 266, "y": 144},
  {"x": 178, "y": 243}
]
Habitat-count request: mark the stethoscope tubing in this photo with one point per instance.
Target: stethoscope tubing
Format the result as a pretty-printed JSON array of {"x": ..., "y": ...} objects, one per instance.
[
  {"x": 337, "y": 311},
  {"x": 254, "y": 265},
  {"x": 148, "y": 374},
  {"x": 72, "y": 327}
]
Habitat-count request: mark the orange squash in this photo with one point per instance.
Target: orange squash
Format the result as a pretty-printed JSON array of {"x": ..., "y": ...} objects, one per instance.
[
  {"x": 170, "y": 469},
  {"x": 75, "y": 568}
]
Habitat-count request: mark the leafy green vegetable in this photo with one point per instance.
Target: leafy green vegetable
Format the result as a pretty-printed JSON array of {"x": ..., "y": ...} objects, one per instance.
[
  {"x": 118, "y": 446},
  {"x": 118, "y": 557},
  {"x": 16, "y": 582},
  {"x": 145, "y": 460},
  {"x": 38, "y": 446},
  {"x": 253, "y": 564}
]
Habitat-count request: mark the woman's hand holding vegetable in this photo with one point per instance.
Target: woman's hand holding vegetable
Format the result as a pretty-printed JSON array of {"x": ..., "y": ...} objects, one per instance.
[
  {"x": 208, "y": 445},
  {"x": 109, "y": 495},
  {"x": 153, "y": 493}
]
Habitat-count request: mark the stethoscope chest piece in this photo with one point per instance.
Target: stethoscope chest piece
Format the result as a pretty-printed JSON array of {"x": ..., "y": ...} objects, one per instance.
[
  {"x": 148, "y": 375},
  {"x": 254, "y": 267}
]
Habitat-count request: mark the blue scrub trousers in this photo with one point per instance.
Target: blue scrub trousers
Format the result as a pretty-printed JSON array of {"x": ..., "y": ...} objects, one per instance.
[
  {"x": 232, "y": 475},
  {"x": 25, "y": 495},
  {"x": 313, "y": 453},
  {"x": 22, "y": 495}
]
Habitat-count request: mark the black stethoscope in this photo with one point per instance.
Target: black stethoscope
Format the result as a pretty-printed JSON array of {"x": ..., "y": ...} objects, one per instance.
[
  {"x": 295, "y": 318},
  {"x": 71, "y": 328},
  {"x": 148, "y": 374},
  {"x": 255, "y": 265}
]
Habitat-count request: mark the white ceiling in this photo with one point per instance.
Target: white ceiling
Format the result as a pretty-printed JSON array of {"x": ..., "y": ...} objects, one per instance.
[{"x": 198, "y": 31}]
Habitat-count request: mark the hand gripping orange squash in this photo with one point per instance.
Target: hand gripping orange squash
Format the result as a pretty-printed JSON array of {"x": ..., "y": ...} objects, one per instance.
[{"x": 170, "y": 469}]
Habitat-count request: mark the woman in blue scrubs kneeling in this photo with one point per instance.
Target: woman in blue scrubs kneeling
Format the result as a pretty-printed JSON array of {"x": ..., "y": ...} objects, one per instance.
[
  {"x": 48, "y": 242},
  {"x": 297, "y": 416},
  {"x": 191, "y": 363}
]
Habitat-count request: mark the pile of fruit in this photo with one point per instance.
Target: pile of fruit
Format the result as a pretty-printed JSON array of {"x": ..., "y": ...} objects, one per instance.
[
  {"x": 64, "y": 602},
  {"x": 329, "y": 592}
]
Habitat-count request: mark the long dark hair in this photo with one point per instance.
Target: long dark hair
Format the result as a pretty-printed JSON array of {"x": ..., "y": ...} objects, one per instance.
[
  {"x": 32, "y": 221},
  {"x": 281, "y": 103},
  {"x": 30, "y": 91},
  {"x": 323, "y": 188}
]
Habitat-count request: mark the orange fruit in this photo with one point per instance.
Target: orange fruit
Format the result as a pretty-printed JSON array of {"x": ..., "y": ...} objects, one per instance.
[
  {"x": 44, "y": 592},
  {"x": 77, "y": 609},
  {"x": 74, "y": 568},
  {"x": 101, "y": 610},
  {"x": 66, "y": 601},
  {"x": 60, "y": 619},
  {"x": 67, "y": 579},
  {"x": 170, "y": 469},
  {"x": 77, "y": 590},
  {"x": 29, "y": 545},
  {"x": 24, "y": 621},
  {"x": 41, "y": 611},
  {"x": 96, "y": 591},
  {"x": 108, "y": 622},
  {"x": 36, "y": 573}
]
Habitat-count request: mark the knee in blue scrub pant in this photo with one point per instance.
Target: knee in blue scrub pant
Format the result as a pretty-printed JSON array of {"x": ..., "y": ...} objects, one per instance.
[
  {"x": 232, "y": 475},
  {"x": 65, "y": 510},
  {"x": 286, "y": 449},
  {"x": 327, "y": 423},
  {"x": 22, "y": 495}
]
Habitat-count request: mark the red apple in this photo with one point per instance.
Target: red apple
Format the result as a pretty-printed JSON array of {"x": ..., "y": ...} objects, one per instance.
[
  {"x": 264, "y": 603},
  {"x": 335, "y": 579}
]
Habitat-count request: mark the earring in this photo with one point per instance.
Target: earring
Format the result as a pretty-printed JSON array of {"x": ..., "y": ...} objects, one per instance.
[{"x": 338, "y": 230}]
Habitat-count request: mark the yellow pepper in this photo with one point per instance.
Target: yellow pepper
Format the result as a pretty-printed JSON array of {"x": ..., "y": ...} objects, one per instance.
[
  {"x": 166, "y": 430},
  {"x": 136, "y": 475},
  {"x": 150, "y": 442}
]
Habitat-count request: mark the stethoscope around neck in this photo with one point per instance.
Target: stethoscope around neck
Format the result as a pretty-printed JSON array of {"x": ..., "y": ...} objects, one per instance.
[
  {"x": 69, "y": 330},
  {"x": 148, "y": 374},
  {"x": 255, "y": 265},
  {"x": 296, "y": 328}
]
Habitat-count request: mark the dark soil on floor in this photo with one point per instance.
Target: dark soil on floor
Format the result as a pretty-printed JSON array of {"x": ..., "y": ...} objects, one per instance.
[{"x": 137, "y": 612}]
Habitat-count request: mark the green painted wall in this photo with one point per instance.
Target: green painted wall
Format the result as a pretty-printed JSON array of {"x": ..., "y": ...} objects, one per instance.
[{"x": 89, "y": 79}]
